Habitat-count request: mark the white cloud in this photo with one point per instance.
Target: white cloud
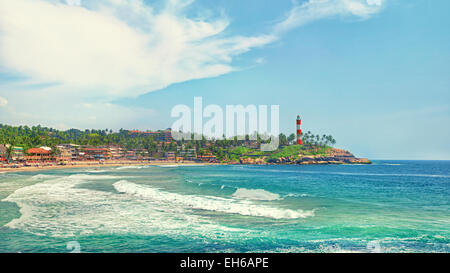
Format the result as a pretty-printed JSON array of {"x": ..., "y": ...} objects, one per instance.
[
  {"x": 92, "y": 48},
  {"x": 260, "y": 60},
  {"x": 3, "y": 102},
  {"x": 95, "y": 51},
  {"x": 73, "y": 2},
  {"x": 64, "y": 111},
  {"x": 319, "y": 9}
]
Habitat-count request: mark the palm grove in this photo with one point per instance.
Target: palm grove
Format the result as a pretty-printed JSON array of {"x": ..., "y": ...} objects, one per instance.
[{"x": 224, "y": 149}]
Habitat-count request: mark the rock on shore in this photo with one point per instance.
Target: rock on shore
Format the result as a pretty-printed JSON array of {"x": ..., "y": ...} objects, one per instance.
[{"x": 335, "y": 156}]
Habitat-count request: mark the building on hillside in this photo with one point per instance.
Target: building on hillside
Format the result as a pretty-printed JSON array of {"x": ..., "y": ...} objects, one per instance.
[
  {"x": 117, "y": 152},
  {"x": 70, "y": 151},
  {"x": 17, "y": 154},
  {"x": 38, "y": 155},
  {"x": 161, "y": 136},
  {"x": 170, "y": 156},
  {"x": 90, "y": 153},
  {"x": 208, "y": 157},
  {"x": 63, "y": 154},
  {"x": 142, "y": 154},
  {"x": 253, "y": 144},
  {"x": 131, "y": 155},
  {"x": 189, "y": 154}
]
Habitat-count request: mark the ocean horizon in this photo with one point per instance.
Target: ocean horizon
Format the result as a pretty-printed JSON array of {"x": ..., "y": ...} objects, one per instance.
[{"x": 388, "y": 206}]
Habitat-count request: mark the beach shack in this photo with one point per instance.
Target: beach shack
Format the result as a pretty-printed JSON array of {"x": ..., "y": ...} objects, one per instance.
[{"x": 38, "y": 155}]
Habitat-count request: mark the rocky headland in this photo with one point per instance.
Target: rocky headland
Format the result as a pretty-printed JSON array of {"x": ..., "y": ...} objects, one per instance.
[{"x": 332, "y": 156}]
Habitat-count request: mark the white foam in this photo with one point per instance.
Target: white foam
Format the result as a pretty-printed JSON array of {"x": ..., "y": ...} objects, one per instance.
[
  {"x": 132, "y": 167},
  {"x": 60, "y": 208},
  {"x": 296, "y": 195},
  {"x": 42, "y": 177},
  {"x": 209, "y": 203},
  {"x": 326, "y": 248},
  {"x": 257, "y": 194},
  {"x": 96, "y": 171},
  {"x": 96, "y": 177}
]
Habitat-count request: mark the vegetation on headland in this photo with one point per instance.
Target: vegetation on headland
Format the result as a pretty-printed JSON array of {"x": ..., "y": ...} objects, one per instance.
[{"x": 234, "y": 150}]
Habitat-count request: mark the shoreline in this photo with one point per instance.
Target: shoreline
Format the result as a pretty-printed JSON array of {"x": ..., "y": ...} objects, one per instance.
[
  {"x": 101, "y": 165},
  {"x": 83, "y": 164}
]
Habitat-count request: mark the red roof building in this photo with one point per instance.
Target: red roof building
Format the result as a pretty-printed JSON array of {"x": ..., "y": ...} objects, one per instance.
[
  {"x": 38, "y": 151},
  {"x": 38, "y": 154}
]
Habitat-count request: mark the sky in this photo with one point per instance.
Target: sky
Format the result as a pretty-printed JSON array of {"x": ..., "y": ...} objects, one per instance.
[{"x": 372, "y": 73}]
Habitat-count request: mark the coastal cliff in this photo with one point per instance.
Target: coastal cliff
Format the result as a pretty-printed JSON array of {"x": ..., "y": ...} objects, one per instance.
[{"x": 329, "y": 156}]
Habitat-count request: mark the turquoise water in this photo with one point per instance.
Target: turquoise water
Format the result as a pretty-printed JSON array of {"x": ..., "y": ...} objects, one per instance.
[{"x": 390, "y": 206}]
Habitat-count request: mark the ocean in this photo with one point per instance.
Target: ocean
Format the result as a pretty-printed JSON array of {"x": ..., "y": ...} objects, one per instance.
[{"x": 390, "y": 206}]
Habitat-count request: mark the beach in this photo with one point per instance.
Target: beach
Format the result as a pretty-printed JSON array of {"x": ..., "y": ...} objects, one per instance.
[{"x": 94, "y": 164}]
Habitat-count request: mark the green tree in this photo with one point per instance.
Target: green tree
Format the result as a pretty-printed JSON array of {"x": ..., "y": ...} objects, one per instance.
[{"x": 291, "y": 137}]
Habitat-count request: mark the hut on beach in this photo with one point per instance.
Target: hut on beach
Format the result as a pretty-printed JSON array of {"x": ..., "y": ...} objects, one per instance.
[{"x": 38, "y": 155}]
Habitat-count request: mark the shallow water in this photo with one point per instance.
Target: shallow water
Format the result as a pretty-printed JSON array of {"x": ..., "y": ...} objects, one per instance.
[{"x": 390, "y": 206}]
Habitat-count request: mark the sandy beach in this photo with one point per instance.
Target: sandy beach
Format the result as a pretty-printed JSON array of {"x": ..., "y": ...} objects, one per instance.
[{"x": 96, "y": 164}]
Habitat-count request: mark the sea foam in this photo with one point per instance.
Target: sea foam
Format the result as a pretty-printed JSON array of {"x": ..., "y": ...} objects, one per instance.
[
  {"x": 132, "y": 167},
  {"x": 210, "y": 203},
  {"x": 61, "y": 207},
  {"x": 42, "y": 177},
  {"x": 257, "y": 194}
]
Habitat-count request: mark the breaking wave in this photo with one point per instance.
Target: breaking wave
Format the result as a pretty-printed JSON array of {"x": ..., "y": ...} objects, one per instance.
[
  {"x": 60, "y": 208},
  {"x": 257, "y": 194},
  {"x": 42, "y": 177},
  {"x": 210, "y": 203},
  {"x": 296, "y": 195},
  {"x": 96, "y": 171},
  {"x": 132, "y": 167}
]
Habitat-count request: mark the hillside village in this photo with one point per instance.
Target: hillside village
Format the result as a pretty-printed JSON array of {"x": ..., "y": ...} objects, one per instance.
[{"x": 45, "y": 146}]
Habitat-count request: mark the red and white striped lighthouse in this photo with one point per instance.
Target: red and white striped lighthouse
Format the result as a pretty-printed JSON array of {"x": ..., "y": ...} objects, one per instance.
[{"x": 299, "y": 131}]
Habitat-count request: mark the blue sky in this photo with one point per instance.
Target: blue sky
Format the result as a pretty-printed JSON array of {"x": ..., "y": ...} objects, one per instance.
[{"x": 372, "y": 73}]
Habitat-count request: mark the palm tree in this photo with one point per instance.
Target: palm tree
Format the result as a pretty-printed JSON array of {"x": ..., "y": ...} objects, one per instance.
[
  {"x": 9, "y": 152},
  {"x": 291, "y": 137}
]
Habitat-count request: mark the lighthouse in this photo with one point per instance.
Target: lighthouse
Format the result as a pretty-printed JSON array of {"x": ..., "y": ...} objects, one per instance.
[{"x": 299, "y": 131}]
